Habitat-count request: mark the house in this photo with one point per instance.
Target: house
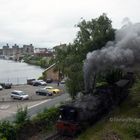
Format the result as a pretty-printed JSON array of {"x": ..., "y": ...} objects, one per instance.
[{"x": 52, "y": 73}]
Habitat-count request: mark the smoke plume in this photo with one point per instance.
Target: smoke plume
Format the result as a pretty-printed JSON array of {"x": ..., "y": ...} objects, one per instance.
[{"x": 123, "y": 52}]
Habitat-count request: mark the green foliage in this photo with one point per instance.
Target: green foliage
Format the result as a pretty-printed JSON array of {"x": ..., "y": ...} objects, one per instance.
[
  {"x": 72, "y": 88},
  {"x": 94, "y": 34},
  {"x": 135, "y": 92},
  {"x": 134, "y": 129},
  {"x": 13, "y": 131},
  {"x": 44, "y": 75},
  {"x": 21, "y": 116},
  {"x": 7, "y": 131},
  {"x": 109, "y": 76},
  {"x": 136, "y": 87},
  {"x": 75, "y": 82},
  {"x": 27, "y": 58},
  {"x": 37, "y": 60},
  {"x": 48, "y": 116},
  {"x": 43, "y": 63},
  {"x": 41, "y": 78},
  {"x": 102, "y": 84},
  {"x": 113, "y": 75}
]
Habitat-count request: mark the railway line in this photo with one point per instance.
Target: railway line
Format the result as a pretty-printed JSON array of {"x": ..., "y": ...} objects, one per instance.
[{"x": 57, "y": 136}]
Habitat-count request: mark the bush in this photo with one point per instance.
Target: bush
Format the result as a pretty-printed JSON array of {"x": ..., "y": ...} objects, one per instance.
[
  {"x": 48, "y": 115},
  {"x": 21, "y": 116},
  {"x": 101, "y": 84},
  {"x": 7, "y": 131},
  {"x": 41, "y": 78},
  {"x": 134, "y": 130}
]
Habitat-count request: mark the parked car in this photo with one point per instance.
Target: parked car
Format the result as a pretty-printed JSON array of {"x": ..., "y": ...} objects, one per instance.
[
  {"x": 17, "y": 94},
  {"x": 39, "y": 82},
  {"x": 49, "y": 80},
  {"x": 43, "y": 91},
  {"x": 6, "y": 85},
  {"x": 30, "y": 81},
  {"x": 1, "y": 87},
  {"x": 63, "y": 82},
  {"x": 52, "y": 90}
]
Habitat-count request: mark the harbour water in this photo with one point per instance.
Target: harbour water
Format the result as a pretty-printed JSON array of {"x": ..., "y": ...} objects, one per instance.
[{"x": 18, "y": 72}]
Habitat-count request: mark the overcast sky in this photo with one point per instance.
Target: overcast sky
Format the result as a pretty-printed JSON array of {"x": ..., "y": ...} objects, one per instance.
[{"x": 46, "y": 23}]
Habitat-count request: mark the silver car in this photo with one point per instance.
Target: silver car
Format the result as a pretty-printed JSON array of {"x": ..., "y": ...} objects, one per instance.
[
  {"x": 1, "y": 87},
  {"x": 43, "y": 91},
  {"x": 39, "y": 83},
  {"x": 17, "y": 94}
]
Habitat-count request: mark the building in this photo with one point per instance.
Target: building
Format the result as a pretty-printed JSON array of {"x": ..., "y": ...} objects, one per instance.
[
  {"x": 43, "y": 52},
  {"x": 6, "y": 51},
  {"x": 28, "y": 49},
  {"x": 17, "y": 53},
  {"x": 52, "y": 73},
  {"x": 0, "y": 51}
]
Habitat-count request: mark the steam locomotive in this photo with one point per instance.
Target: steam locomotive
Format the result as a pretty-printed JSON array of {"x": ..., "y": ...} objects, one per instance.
[{"x": 76, "y": 115}]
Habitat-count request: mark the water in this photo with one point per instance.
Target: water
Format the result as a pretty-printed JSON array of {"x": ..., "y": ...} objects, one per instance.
[{"x": 17, "y": 72}]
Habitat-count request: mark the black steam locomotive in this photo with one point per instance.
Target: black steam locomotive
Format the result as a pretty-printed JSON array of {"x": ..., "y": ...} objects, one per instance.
[{"x": 75, "y": 115}]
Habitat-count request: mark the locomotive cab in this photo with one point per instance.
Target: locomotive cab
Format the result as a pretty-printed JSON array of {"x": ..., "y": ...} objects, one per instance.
[
  {"x": 68, "y": 113},
  {"x": 67, "y": 123}
]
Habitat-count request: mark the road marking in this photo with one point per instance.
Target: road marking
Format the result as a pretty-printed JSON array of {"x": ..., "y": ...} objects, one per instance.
[
  {"x": 39, "y": 103},
  {"x": 3, "y": 107},
  {"x": 13, "y": 112}
]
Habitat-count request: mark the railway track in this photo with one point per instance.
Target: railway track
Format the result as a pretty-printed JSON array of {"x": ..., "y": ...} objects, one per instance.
[{"x": 57, "y": 136}]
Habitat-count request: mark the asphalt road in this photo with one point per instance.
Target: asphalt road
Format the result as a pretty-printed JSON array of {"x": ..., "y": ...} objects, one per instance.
[
  {"x": 48, "y": 103},
  {"x": 8, "y": 111}
]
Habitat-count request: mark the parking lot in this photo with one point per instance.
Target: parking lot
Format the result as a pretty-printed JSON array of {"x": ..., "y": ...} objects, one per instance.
[
  {"x": 29, "y": 89},
  {"x": 9, "y": 106}
]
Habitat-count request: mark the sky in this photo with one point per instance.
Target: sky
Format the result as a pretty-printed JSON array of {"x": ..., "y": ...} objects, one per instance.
[{"x": 47, "y": 23}]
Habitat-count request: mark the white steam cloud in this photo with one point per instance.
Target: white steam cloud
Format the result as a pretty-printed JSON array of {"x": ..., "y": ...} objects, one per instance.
[{"x": 123, "y": 52}]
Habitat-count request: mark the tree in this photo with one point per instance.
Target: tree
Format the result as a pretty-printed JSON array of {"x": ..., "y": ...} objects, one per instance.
[
  {"x": 75, "y": 79},
  {"x": 94, "y": 34}
]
